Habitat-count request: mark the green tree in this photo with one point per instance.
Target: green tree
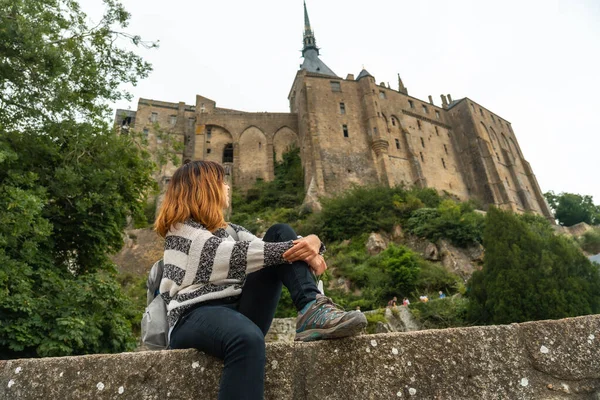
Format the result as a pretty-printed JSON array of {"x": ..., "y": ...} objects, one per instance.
[
  {"x": 68, "y": 181},
  {"x": 530, "y": 273},
  {"x": 570, "y": 208}
]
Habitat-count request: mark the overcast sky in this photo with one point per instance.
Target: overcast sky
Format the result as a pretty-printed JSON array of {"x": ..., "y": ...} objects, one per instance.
[{"x": 535, "y": 63}]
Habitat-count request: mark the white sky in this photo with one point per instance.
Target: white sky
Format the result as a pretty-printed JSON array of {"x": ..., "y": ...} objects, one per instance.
[{"x": 535, "y": 63}]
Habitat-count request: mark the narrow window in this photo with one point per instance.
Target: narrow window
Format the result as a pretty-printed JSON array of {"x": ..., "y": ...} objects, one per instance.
[
  {"x": 207, "y": 151},
  {"x": 411, "y": 104},
  {"x": 422, "y": 159},
  {"x": 146, "y": 133},
  {"x": 208, "y": 133},
  {"x": 437, "y": 114},
  {"x": 422, "y": 143},
  {"x": 335, "y": 86},
  {"x": 374, "y": 131},
  {"x": 259, "y": 145},
  {"x": 397, "y": 144},
  {"x": 481, "y": 111},
  {"x": 381, "y": 94},
  {"x": 191, "y": 122},
  {"x": 342, "y": 108},
  {"x": 444, "y": 163},
  {"x": 393, "y": 121},
  {"x": 445, "y": 149},
  {"x": 473, "y": 107},
  {"x": 424, "y": 108},
  {"x": 228, "y": 153},
  {"x": 493, "y": 120},
  {"x": 345, "y": 129},
  {"x": 173, "y": 120},
  {"x": 419, "y": 124},
  {"x": 154, "y": 117},
  {"x": 437, "y": 132}
]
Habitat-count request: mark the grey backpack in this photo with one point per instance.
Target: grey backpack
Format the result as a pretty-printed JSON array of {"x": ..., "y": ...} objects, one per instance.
[{"x": 155, "y": 328}]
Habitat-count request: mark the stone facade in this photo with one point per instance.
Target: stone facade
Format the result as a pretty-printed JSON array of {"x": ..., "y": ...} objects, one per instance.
[{"x": 355, "y": 131}]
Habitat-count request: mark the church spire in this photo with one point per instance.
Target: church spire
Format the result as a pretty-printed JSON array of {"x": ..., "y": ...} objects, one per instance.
[{"x": 309, "y": 36}]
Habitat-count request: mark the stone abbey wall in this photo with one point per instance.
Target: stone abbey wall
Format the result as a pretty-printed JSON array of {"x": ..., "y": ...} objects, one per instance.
[{"x": 353, "y": 131}]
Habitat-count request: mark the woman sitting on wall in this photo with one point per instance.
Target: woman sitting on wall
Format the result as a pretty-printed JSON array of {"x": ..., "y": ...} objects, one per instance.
[{"x": 222, "y": 288}]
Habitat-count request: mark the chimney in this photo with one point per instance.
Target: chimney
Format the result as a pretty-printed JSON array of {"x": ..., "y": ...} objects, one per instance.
[
  {"x": 350, "y": 77},
  {"x": 431, "y": 100},
  {"x": 444, "y": 101},
  {"x": 449, "y": 99}
]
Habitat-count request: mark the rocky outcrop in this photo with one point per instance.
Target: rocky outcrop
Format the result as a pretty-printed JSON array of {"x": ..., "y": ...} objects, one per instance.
[
  {"x": 143, "y": 247},
  {"x": 536, "y": 360}
]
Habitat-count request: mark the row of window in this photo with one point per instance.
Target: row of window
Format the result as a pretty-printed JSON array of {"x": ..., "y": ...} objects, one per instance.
[
  {"x": 172, "y": 120},
  {"x": 425, "y": 109},
  {"x": 491, "y": 116}
]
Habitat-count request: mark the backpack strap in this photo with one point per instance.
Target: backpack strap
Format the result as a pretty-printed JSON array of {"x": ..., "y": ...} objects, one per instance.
[
  {"x": 229, "y": 229},
  {"x": 153, "y": 282}
]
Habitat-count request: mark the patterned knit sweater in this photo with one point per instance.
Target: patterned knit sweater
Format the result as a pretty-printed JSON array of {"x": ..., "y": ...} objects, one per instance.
[{"x": 201, "y": 266}]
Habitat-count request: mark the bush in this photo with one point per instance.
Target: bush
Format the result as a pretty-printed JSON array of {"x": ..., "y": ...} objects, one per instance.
[
  {"x": 374, "y": 318},
  {"x": 590, "y": 241},
  {"x": 441, "y": 313},
  {"x": 530, "y": 273}
]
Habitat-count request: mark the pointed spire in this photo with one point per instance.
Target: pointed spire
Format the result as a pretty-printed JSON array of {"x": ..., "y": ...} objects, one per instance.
[
  {"x": 401, "y": 87},
  {"x": 306, "y": 20},
  {"x": 310, "y": 42},
  {"x": 310, "y": 51}
]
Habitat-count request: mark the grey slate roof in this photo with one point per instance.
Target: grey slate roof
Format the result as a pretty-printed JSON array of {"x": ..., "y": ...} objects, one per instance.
[
  {"x": 312, "y": 63},
  {"x": 362, "y": 74}
]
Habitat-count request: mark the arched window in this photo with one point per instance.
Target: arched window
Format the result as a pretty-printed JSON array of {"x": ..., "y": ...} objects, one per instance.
[{"x": 228, "y": 153}]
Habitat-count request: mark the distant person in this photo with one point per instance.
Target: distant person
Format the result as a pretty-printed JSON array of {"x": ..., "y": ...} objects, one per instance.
[
  {"x": 424, "y": 299},
  {"x": 406, "y": 302},
  {"x": 222, "y": 284},
  {"x": 392, "y": 302},
  {"x": 357, "y": 308},
  {"x": 442, "y": 295}
]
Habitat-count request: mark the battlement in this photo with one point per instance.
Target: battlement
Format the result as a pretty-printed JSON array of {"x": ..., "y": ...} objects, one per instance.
[{"x": 535, "y": 360}]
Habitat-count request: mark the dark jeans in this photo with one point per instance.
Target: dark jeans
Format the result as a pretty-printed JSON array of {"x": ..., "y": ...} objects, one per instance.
[{"x": 234, "y": 331}]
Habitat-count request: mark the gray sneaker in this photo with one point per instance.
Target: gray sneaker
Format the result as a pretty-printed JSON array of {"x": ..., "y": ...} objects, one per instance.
[{"x": 326, "y": 320}]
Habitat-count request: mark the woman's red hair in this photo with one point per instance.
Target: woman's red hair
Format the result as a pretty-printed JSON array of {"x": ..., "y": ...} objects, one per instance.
[{"x": 195, "y": 192}]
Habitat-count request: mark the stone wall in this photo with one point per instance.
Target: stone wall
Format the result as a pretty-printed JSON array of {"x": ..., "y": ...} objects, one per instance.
[{"x": 536, "y": 360}]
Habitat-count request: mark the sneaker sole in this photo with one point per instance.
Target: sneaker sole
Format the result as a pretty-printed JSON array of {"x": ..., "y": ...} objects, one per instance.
[{"x": 348, "y": 328}]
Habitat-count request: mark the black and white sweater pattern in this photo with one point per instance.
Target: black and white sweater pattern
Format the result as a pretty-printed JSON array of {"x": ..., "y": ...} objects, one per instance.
[{"x": 200, "y": 266}]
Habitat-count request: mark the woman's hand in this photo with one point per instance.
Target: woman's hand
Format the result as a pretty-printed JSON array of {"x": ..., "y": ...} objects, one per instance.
[
  {"x": 303, "y": 249},
  {"x": 317, "y": 264}
]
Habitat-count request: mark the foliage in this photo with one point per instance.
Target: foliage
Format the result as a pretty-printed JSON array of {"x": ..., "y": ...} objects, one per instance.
[
  {"x": 68, "y": 182},
  {"x": 441, "y": 313},
  {"x": 530, "y": 273},
  {"x": 373, "y": 318},
  {"x": 455, "y": 221},
  {"x": 590, "y": 241},
  {"x": 367, "y": 209},
  {"x": 570, "y": 209},
  {"x": 267, "y": 203}
]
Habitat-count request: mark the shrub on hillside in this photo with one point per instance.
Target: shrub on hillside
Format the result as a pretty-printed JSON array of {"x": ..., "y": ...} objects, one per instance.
[
  {"x": 590, "y": 241},
  {"x": 441, "y": 313},
  {"x": 530, "y": 273}
]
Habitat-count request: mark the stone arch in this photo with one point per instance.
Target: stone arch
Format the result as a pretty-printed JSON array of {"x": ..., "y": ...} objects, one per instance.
[
  {"x": 283, "y": 140},
  {"x": 493, "y": 137},
  {"x": 505, "y": 143},
  {"x": 211, "y": 148},
  {"x": 514, "y": 146},
  {"x": 253, "y": 158},
  {"x": 485, "y": 133}
]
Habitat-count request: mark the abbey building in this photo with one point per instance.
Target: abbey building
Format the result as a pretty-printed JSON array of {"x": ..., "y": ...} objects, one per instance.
[{"x": 354, "y": 131}]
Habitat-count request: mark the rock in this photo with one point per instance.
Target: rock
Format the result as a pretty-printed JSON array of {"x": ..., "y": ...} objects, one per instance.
[
  {"x": 431, "y": 252},
  {"x": 455, "y": 260},
  {"x": 382, "y": 328},
  {"x": 376, "y": 243},
  {"x": 476, "y": 363},
  {"x": 282, "y": 330},
  {"x": 476, "y": 252},
  {"x": 579, "y": 229},
  {"x": 143, "y": 247},
  {"x": 397, "y": 233}
]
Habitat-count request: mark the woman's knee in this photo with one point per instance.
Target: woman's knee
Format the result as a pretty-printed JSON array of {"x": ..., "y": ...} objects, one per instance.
[
  {"x": 280, "y": 233},
  {"x": 249, "y": 340}
]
